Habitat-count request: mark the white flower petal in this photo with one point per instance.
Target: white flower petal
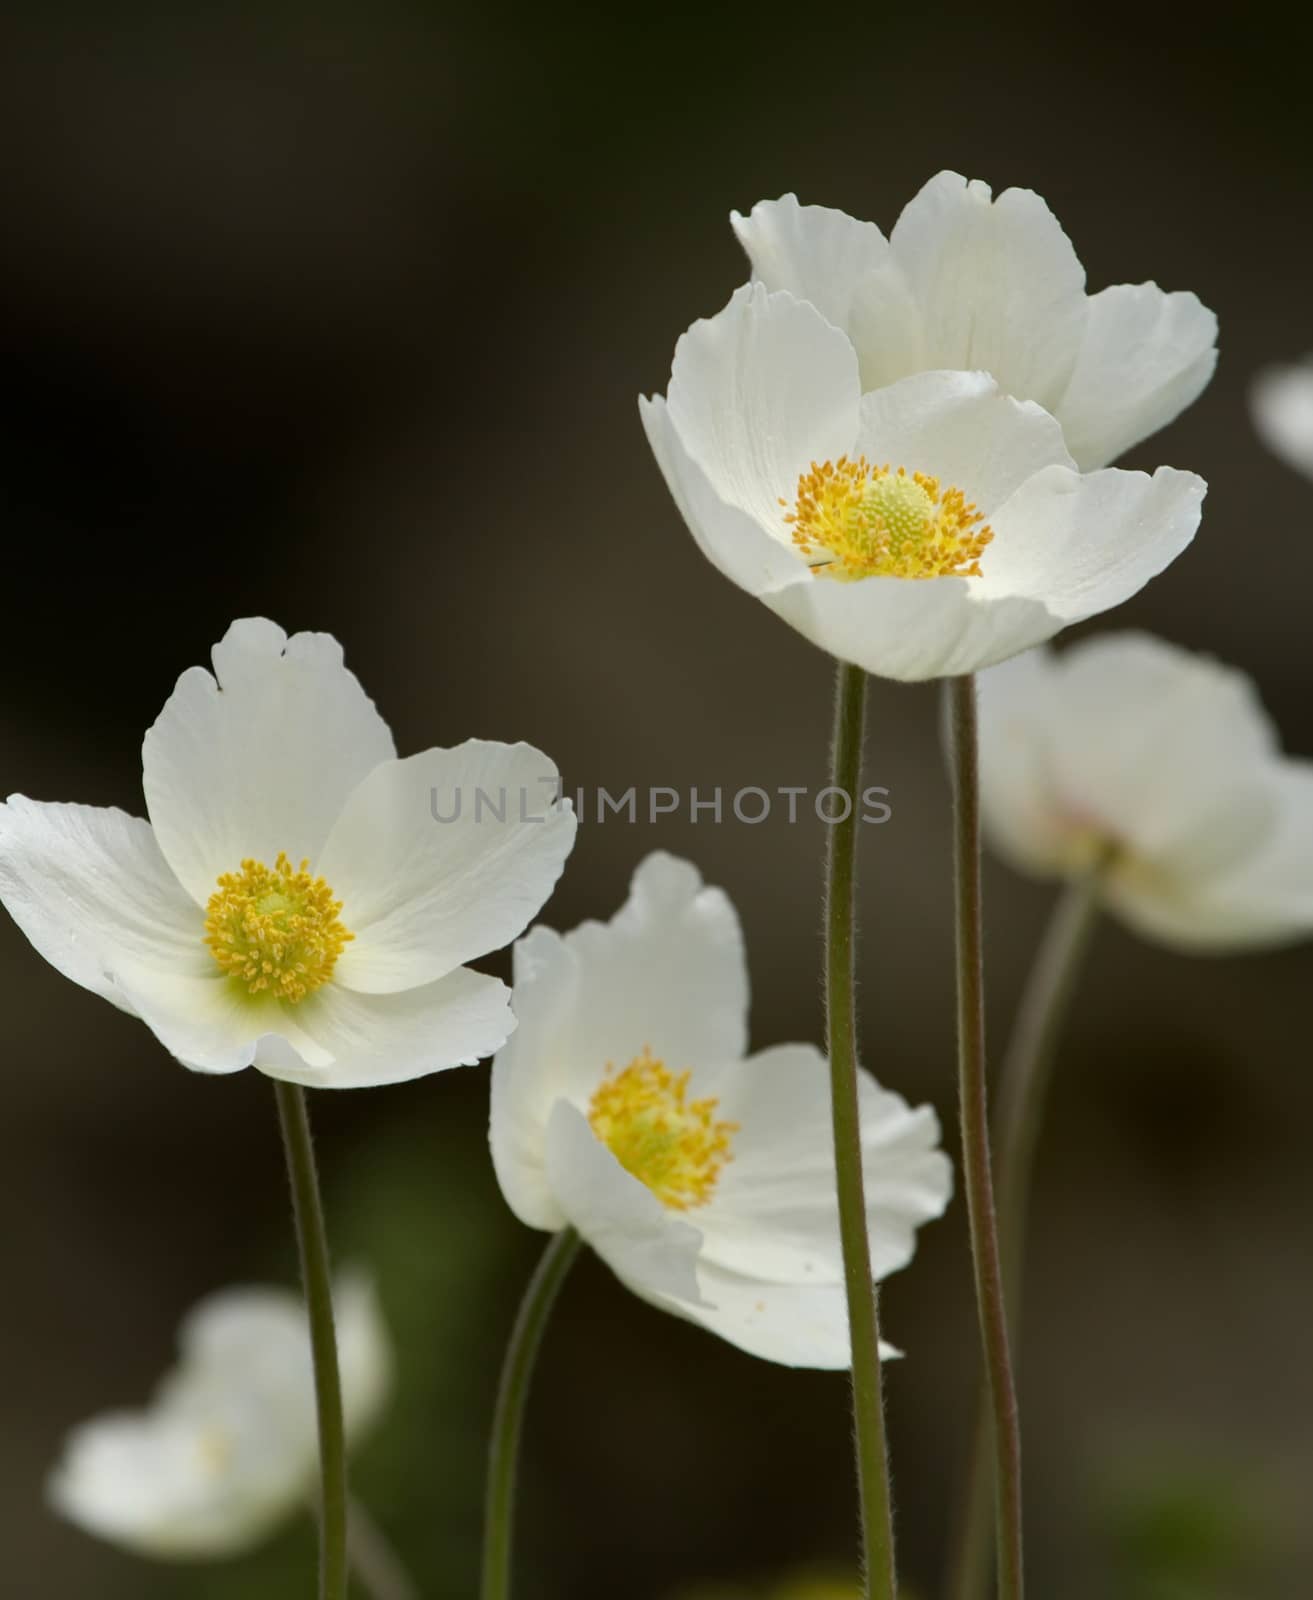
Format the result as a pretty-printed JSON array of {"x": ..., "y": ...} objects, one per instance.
[
  {"x": 364, "y": 1352},
  {"x": 261, "y": 760},
  {"x": 646, "y": 1245},
  {"x": 1264, "y": 897},
  {"x": 233, "y": 1328},
  {"x": 814, "y": 252},
  {"x": 442, "y": 857},
  {"x": 244, "y": 1355},
  {"x": 774, "y": 1213},
  {"x": 999, "y": 286},
  {"x": 255, "y": 1338},
  {"x": 227, "y": 1447},
  {"x": 1024, "y": 815},
  {"x": 90, "y": 889},
  {"x": 526, "y": 1072},
  {"x": 730, "y": 539},
  {"x": 158, "y": 1485},
  {"x": 1127, "y": 743},
  {"x": 1144, "y": 357},
  {"x": 913, "y": 628},
  {"x": 1080, "y": 546},
  {"x": 797, "y": 1325},
  {"x": 667, "y": 973},
  {"x": 887, "y": 328},
  {"x": 960, "y": 428},
  {"x": 757, "y": 393},
  {"x": 908, "y": 1178},
  {"x": 225, "y": 1451},
  {"x": 340, "y": 1039},
  {"x": 846, "y": 270},
  {"x": 1159, "y": 750},
  {"x": 210, "y": 1023},
  {"x": 1282, "y": 403}
]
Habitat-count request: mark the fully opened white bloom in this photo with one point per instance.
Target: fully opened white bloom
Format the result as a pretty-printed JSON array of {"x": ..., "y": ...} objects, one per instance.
[
  {"x": 294, "y": 903},
  {"x": 1161, "y": 763},
  {"x": 627, "y": 1107},
  {"x": 228, "y": 1447},
  {"x": 918, "y": 530},
  {"x": 1282, "y": 403},
  {"x": 971, "y": 283}
]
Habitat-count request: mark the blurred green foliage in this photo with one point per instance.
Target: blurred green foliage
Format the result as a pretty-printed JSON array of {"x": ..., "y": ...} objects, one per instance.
[{"x": 1188, "y": 1528}]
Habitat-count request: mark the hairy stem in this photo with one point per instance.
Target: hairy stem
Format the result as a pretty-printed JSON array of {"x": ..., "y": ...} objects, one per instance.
[
  {"x": 974, "y": 1114},
  {"x": 873, "y": 1485},
  {"x": 1027, "y": 1074}
]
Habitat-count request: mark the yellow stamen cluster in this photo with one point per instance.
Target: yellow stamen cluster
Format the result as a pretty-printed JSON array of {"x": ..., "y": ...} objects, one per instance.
[
  {"x": 852, "y": 520},
  {"x": 671, "y": 1143},
  {"x": 275, "y": 928}
]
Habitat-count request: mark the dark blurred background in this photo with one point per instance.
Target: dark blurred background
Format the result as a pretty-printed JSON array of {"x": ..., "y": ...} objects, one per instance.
[{"x": 338, "y": 314}]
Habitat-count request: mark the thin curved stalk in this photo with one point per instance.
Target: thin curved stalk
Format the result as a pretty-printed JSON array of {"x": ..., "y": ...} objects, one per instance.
[
  {"x": 508, "y": 1418},
  {"x": 312, "y": 1241},
  {"x": 973, "y": 1103},
  {"x": 872, "y": 1452},
  {"x": 1028, "y": 1068},
  {"x": 1027, "y": 1075}
]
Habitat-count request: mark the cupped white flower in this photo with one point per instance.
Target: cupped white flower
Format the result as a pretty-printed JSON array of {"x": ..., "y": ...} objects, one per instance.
[
  {"x": 301, "y": 900},
  {"x": 918, "y": 530},
  {"x": 969, "y": 282},
  {"x": 627, "y": 1107},
  {"x": 1161, "y": 767},
  {"x": 228, "y": 1447},
  {"x": 1281, "y": 400}
]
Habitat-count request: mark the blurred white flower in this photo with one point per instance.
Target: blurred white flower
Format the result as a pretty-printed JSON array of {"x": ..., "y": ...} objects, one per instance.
[
  {"x": 626, "y": 1107},
  {"x": 228, "y": 1447},
  {"x": 823, "y": 455},
  {"x": 294, "y": 903},
  {"x": 1281, "y": 400},
  {"x": 1126, "y": 750},
  {"x": 969, "y": 283}
]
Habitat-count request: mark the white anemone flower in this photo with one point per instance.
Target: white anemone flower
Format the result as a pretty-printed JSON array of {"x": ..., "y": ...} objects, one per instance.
[
  {"x": 922, "y": 529},
  {"x": 1162, "y": 768},
  {"x": 228, "y": 1447},
  {"x": 1281, "y": 400},
  {"x": 967, "y": 282},
  {"x": 626, "y": 1106},
  {"x": 294, "y": 902}
]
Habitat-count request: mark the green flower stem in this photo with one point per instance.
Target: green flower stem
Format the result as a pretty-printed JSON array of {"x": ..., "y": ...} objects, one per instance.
[
  {"x": 1027, "y": 1074},
  {"x": 974, "y": 1115},
  {"x": 508, "y": 1419},
  {"x": 1028, "y": 1067},
  {"x": 874, "y": 1497},
  {"x": 312, "y": 1240},
  {"x": 374, "y": 1562}
]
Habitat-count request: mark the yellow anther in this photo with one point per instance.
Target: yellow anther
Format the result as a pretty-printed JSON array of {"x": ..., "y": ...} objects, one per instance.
[
  {"x": 276, "y": 928},
  {"x": 852, "y": 520},
  {"x": 672, "y": 1144}
]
